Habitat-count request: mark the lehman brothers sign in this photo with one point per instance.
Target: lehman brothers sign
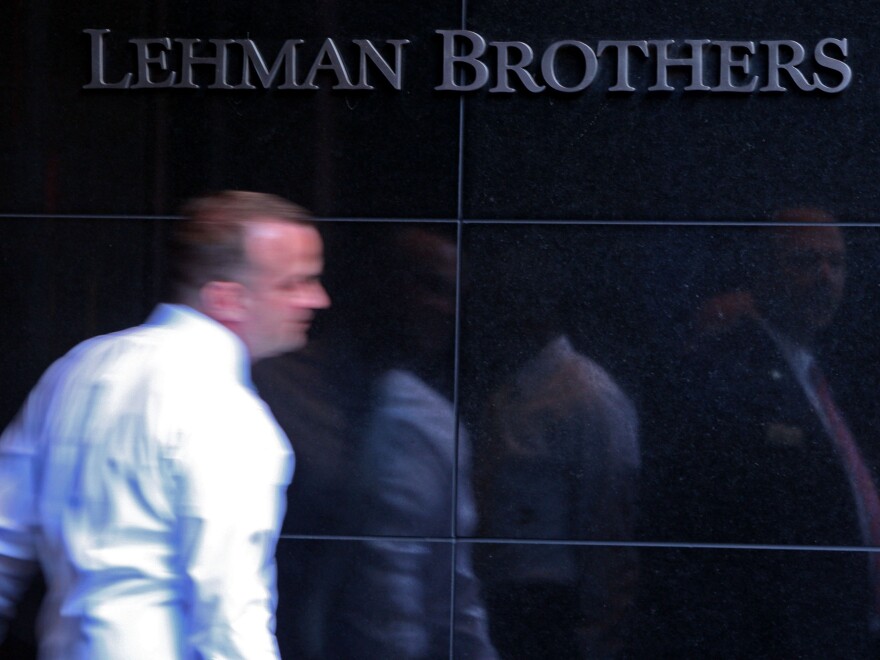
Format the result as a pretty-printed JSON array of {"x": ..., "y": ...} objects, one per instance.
[{"x": 470, "y": 62}]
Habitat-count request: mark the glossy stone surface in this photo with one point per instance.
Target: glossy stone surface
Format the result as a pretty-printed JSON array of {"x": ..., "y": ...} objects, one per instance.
[{"x": 661, "y": 484}]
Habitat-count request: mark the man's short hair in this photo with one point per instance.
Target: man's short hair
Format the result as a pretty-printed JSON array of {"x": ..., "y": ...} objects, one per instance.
[{"x": 208, "y": 244}]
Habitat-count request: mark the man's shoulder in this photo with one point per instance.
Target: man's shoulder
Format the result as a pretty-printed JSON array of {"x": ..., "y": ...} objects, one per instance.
[
  {"x": 566, "y": 380},
  {"x": 114, "y": 347},
  {"x": 167, "y": 356}
]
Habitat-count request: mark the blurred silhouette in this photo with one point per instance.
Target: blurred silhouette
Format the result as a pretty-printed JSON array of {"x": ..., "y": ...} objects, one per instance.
[
  {"x": 397, "y": 604},
  {"x": 369, "y": 411},
  {"x": 115, "y": 475},
  {"x": 558, "y": 459},
  {"x": 754, "y": 448}
]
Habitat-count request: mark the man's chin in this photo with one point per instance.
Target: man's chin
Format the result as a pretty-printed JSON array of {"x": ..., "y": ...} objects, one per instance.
[
  {"x": 288, "y": 347},
  {"x": 295, "y": 344}
]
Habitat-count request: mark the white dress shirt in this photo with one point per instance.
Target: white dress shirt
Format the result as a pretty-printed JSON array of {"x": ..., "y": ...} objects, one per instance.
[{"x": 148, "y": 479}]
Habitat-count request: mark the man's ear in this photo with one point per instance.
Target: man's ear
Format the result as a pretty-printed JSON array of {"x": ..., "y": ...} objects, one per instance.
[{"x": 223, "y": 301}]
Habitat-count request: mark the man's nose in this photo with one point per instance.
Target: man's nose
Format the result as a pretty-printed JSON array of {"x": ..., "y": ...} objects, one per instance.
[{"x": 320, "y": 298}]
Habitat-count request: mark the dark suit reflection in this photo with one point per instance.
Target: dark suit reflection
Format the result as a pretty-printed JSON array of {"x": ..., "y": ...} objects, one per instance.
[
  {"x": 317, "y": 397},
  {"x": 749, "y": 459}
]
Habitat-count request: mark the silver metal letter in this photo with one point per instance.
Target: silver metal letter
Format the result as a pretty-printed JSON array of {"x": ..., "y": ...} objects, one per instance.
[
  {"x": 254, "y": 58},
  {"x": 334, "y": 64},
  {"x": 548, "y": 66},
  {"x": 728, "y": 63},
  {"x": 695, "y": 62},
  {"x": 622, "y": 84},
  {"x": 393, "y": 75},
  {"x": 218, "y": 61},
  {"x": 825, "y": 60},
  {"x": 97, "y": 38},
  {"x": 450, "y": 59},
  {"x": 775, "y": 65},
  {"x": 145, "y": 60},
  {"x": 505, "y": 66}
]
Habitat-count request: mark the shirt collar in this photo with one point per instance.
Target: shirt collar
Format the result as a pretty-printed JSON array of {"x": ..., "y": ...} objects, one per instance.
[{"x": 211, "y": 337}]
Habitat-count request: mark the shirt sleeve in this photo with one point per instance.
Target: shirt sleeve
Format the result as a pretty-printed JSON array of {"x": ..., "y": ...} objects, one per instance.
[
  {"x": 18, "y": 555},
  {"x": 232, "y": 468}
]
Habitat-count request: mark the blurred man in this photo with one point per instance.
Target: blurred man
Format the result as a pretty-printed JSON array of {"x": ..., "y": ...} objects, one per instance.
[
  {"x": 398, "y": 601},
  {"x": 369, "y": 404},
  {"x": 761, "y": 452},
  {"x": 144, "y": 475},
  {"x": 558, "y": 458}
]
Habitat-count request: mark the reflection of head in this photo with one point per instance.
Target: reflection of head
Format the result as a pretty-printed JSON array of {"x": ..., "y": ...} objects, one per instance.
[
  {"x": 801, "y": 273},
  {"x": 426, "y": 281},
  {"x": 252, "y": 262},
  {"x": 411, "y": 295},
  {"x": 399, "y": 310}
]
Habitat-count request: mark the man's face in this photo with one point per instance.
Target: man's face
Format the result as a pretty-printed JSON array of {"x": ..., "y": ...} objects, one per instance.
[
  {"x": 810, "y": 272},
  {"x": 282, "y": 286}
]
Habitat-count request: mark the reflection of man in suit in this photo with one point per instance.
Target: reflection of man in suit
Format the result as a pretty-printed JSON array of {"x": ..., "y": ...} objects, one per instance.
[
  {"x": 761, "y": 453},
  {"x": 802, "y": 280}
]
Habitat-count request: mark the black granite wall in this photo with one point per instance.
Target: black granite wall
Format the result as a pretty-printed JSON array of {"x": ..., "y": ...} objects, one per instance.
[{"x": 658, "y": 486}]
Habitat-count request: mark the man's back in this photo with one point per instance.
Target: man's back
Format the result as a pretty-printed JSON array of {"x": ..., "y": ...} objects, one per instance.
[{"x": 148, "y": 480}]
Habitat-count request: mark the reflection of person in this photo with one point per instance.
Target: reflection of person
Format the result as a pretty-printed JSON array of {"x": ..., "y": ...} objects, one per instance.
[
  {"x": 558, "y": 453},
  {"x": 565, "y": 461},
  {"x": 368, "y": 407},
  {"x": 145, "y": 475},
  {"x": 397, "y": 605},
  {"x": 761, "y": 453}
]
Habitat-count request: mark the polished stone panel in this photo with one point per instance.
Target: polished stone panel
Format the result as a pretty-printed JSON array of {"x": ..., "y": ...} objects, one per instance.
[
  {"x": 755, "y": 603},
  {"x": 558, "y": 600},
  {"x": 632, "y": 382},
  {"x": 671, "y": 156},
  {"x": 364, "y": 598},
  {"x": 68, "y": 279},
  {"x": 368, "y": 405},
  {"x": 360, "y": 153},
  {"x": 583, "y": 601}
]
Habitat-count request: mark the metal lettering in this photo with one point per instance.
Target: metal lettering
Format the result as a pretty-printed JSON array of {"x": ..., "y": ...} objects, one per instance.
[
  {"x": 189, "y": 59},
  {"x": 505, "y": 67},
  {"x": 334, "y": 63},
  {"x": 97, "y": 82},
  {"x": 393, "y": 75},
  {"x": 145, "y": 60},
  {"x": 471, "y": 59},
  {"x": 775, "y": 65},
  {"x": 828, "y": 62},
  {"x": 548, "y": 66},
  {"x": 622, "y": 84},
  {"x": 694, "y": 62},
  {"x": 253, "y": 60},
  {"x": 728, "y": 63},
  {"x": 736, "y": 67}
]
